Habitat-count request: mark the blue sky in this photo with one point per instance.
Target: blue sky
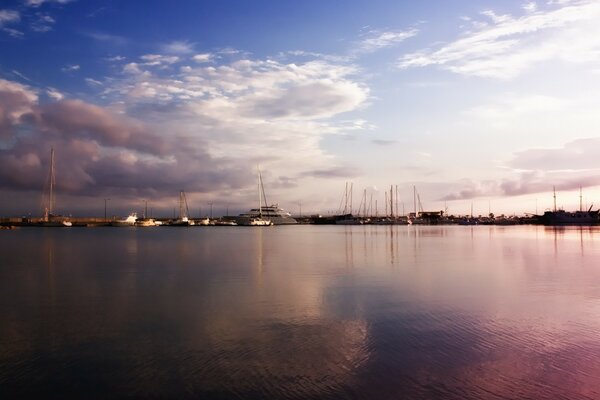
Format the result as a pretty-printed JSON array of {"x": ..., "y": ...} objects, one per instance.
[{"x": 483, "y": 103}]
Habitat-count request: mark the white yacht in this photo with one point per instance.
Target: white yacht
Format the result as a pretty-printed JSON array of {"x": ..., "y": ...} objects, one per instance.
[
  {"x": 273, "y": 212},
  {"x": 261, "y": 216},
  {"x": 129, "y": 221}
]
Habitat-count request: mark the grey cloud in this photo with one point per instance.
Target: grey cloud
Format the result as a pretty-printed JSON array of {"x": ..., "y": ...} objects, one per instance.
[
  {"x": 579, "y": 154},
  {"x": 338, "y": 172},
  {"x": 383, "y": 142}
]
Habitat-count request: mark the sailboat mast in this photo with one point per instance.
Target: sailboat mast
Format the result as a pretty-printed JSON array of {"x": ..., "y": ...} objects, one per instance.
[
  {"x": 580, "y": 199},
  {"x": 392, "y": 201},
  {"x": 52, "y": 182},
  {"x": 415, "y": 198},
  {"x": 259, "y": 193},
  {"x": 346, "y": 199},
  {"x": 181, "y": 204},
  {"x": 554, "y": 190}
]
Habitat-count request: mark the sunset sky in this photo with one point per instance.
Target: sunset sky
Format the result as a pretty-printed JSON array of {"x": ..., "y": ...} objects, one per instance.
[{"x": 489, "y": 104}]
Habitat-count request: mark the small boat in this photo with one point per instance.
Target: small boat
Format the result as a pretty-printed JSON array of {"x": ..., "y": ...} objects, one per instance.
[
  {"x": 129, "y": 221},
  {"x": 145, "y": 222},
  {"x": 204, "y": 222},
  {"x": 222, "y": 222}
]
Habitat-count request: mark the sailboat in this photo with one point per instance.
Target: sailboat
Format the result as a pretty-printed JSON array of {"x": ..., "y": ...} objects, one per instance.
[
  {"x": 183, "y": 219},
  {"x": 562, "y": 217},
  {"x": 257, "y": 220},
  {"x": 50, "y": 219}
]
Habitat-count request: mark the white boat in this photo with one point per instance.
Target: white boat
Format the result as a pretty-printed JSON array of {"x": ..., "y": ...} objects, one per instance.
[
  {"x": 145, "y": 222},
  {"x": 225, "y": 223},
  {"x": 50, "y": 219},
  {"x": 183, "y": 219},
  {"x": 129, "y": 221},
  {"x": 273, "y": 212},
  {"x": 204, "y": 222},
  {"x": 257, "y": 220}
]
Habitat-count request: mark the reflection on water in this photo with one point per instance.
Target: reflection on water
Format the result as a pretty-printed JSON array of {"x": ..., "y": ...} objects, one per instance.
[{"x": 301, "y": 312}]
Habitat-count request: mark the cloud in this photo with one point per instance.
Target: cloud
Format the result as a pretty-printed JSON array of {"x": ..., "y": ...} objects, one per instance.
[
  {"x": 506, "y": 46},
  {"x": 106, "y": 37},
  {"x": 54, "y": 94},
  {"x": 43, "y": 23},
  {"x": 15, "y": 103},
  {"x": 179, "y": 47},
  {"x": 38, "y": 3},
  {"x": 201, "y": 128},
  {"x": 203, "y": 58},
  {"x": 377, "y": 40},
  {"x": 383, "y": 142},
  {"x": 14, "y": 32},
  {"x": 9, "y": 16},
  {"x": 580, "y": 154},
  {"x": 70, "y": 68},
  {"x": 537, "y": 170},
  {"x": 132, "y": 68},
  {"x": 157, "y": 59},
  {"x": 116, "y": 58}
]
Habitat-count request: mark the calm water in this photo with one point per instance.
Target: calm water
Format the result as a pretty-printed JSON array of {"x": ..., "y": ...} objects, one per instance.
[{"x": 301, "y": 312}]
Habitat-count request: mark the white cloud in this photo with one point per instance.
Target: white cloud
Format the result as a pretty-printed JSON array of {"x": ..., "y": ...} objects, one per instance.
[
  {"x": 43, "y": 23},
  {"x": 37, "y": 3},
  {"x": 106, "y": 37},
  {"x": 93, "y": 82},
  {"x": 530, "y": 6},
  {"x": 132, "y": 68},
  {"x": 54, "y": 94},
  {"x": 70, "y": 68},
  {"x": 8, "y": 16},
  {"x": 508, "y": 46},
  {"x": 376, "y": 40},
  {"x": 249, "y": 110},
  {"x": 14, "y": 33},
  {"x": 115, "y": 58},
  {"x": 203, "y": 58},
  {"x": 157, "y": 59},
  {"x": 178, "y": 47}
]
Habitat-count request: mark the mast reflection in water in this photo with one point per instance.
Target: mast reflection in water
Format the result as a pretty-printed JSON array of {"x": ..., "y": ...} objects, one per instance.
[{"x": 301, "y": 312}]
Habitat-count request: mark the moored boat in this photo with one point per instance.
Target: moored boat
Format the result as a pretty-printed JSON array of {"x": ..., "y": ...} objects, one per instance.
[{"x": 129, "y": 221}]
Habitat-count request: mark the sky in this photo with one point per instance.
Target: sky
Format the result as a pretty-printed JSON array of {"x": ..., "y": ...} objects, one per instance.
[{"x": 483, "y": 104}]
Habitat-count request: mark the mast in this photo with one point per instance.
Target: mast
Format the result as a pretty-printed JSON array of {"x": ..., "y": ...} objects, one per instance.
[
  {"x": 259, "y": 194},
  {"x": 52, "y": 182},
  {"x": 262, "y": 188},
  {"x": 181, "y": 204},
  {"x": 415, "y": 198},
  {"x": 351, "y": 190},
  {"x": 392, "y": 201},
  {"x": 385, "y": 202},
  {"x": 554, "y": 190},
  {"x": 346, "y": 199},
  {"x": 397, "y": 209},
  {"x": 580, "y": 199}
]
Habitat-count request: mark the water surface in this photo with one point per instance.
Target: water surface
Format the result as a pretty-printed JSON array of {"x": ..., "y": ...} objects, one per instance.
[{"x": 301, "y": 312}]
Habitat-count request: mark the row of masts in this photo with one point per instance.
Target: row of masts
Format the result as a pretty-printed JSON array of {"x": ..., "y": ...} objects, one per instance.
[{"x": 391, "y": 200}]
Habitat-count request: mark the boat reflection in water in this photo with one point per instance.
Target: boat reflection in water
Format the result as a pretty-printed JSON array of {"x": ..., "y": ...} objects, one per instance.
[{"x": 385, "y": 312}]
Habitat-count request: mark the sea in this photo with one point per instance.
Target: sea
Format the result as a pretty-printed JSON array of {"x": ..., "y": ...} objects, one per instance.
[{"x": 300, "y": 312}]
